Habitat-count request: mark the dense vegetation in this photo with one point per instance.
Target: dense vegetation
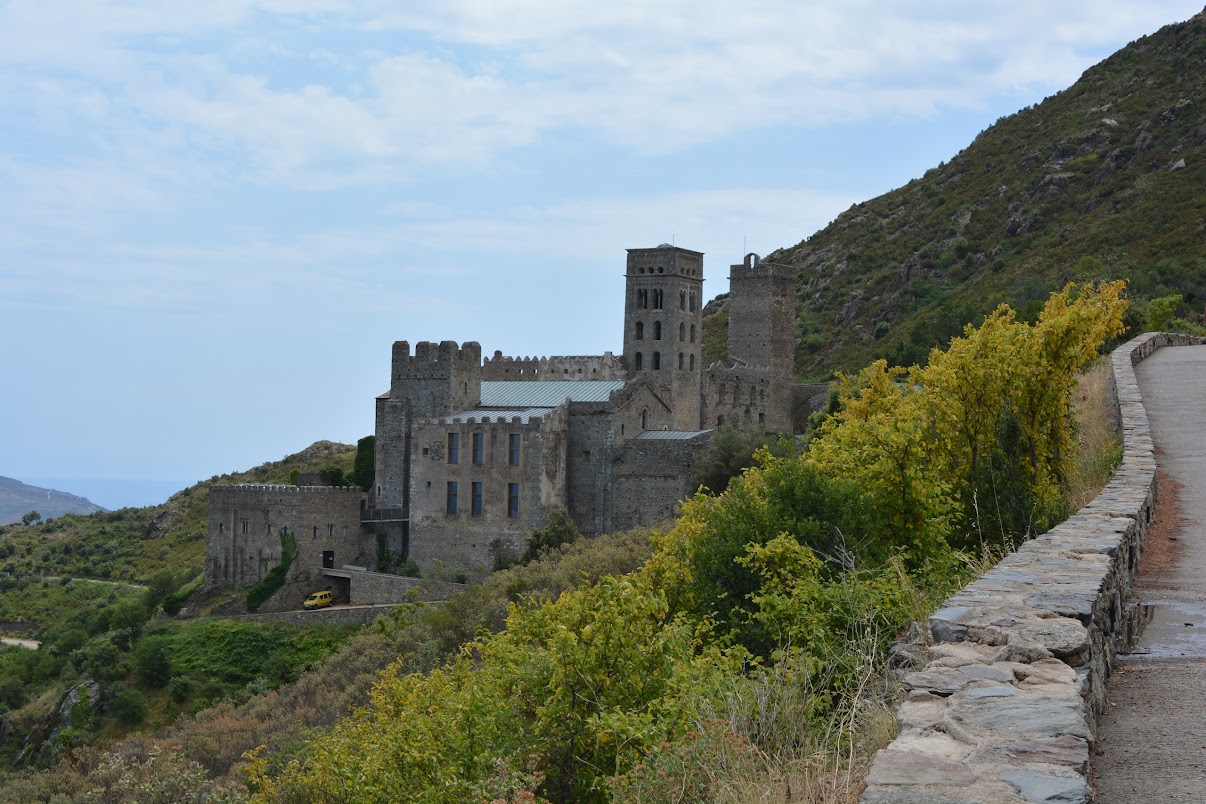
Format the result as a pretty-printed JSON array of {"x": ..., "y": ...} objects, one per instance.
[
  {"x": 757, "y": 619},
  {"x": 88, "y": 587},
  {"x": 1101, "y": 180}
]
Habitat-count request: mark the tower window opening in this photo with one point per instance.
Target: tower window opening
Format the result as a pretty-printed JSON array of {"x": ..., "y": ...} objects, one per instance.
[
  {"x": 657, "y": 360},
  {"x": 680, "y": 361},
  {"x": 640, "y": 330},
  {"x": 638, "y": 361},
  {"x": 657, "y": 330},
  {"x": 682, "y": 331}
]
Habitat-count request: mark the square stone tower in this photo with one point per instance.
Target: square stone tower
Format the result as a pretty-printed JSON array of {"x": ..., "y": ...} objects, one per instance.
[{"x": 663, "y": 324}]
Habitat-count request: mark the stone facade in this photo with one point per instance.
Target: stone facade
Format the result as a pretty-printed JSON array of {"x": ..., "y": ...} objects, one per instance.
[
  {"x": 245, "y": 527},
  {"x": 1006, "y": 709},
  {"x": 472, "y": 454}
]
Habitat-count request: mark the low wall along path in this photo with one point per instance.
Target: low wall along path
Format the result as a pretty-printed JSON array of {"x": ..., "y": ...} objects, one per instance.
[{"x": 1007, "y": 708}]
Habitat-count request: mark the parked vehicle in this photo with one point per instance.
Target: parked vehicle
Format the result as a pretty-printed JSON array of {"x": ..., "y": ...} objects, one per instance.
[{"x": 318, "y": 600}]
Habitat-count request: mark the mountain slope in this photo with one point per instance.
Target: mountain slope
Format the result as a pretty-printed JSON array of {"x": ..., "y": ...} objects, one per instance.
[
  {"x": 18, "y": 499},
  {"x": 1105, "y": 179},
  {"x": 134, "y": 543}
]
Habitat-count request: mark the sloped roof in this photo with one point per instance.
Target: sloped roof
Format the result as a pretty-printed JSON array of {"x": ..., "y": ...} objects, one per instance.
[
  {"x": 669, "y": 435},
  {"x": 518, "y": 394}
]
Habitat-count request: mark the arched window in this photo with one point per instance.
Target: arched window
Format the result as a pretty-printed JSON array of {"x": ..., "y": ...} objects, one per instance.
[
  {"x": 638, "y": 361},
  {"x": 645, "y": 419},
  {"x": 682, "y": 331},
  {"x": 692, "y": 333},
  {"x": 682, "y": 300},
  {"x": 680, "y": 361},
  {"x": 657, "y": 360},
  {"x": 693, "y": 362},
  {"x": 657, "y": 330},
  {"x": 691, "y": 307},
  {"x": 640, "y": 330},
  {"x": 657, "y": 300}
]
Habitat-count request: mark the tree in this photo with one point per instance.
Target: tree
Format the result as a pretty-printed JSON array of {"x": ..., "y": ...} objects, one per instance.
[
  {"x": 332, "y": 475},
  {"x": 152, "y": 662},
  {"x": 31, "y": 518},
  {"x": 558, "y": 530},
  {"x": 364, "y": 469}
]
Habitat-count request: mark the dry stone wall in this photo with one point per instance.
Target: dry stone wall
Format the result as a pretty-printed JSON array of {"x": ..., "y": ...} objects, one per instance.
[{"x": 1006, "y": 709}]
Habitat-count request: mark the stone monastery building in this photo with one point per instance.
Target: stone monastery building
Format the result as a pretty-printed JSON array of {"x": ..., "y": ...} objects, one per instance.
[{"x": 473, "y": 453}]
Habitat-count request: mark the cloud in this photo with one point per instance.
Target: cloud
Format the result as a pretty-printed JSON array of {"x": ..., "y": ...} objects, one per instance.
[{"x": 457, "y": 85}]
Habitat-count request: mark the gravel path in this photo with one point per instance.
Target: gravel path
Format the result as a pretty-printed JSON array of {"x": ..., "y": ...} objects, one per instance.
[{"x": 1152, "y": 741}]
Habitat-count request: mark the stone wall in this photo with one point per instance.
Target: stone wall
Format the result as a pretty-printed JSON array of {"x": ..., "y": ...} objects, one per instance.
[
  {"x": 343, "y": 615},
  {"x": 245, "y": 524},
  {"x": 578, "y": 367},
  {"x": 1007, "y": 707},
  {"x": 651, "y": 478},
  {"x": 479, "y": 542}
]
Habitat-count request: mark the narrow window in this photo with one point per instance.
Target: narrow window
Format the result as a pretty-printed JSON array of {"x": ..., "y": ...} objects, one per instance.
[
  {"x": 315, "y": 534},
  {"x": 512, "y": 500},
  {"x": 693, "y": 362},
  {"x": 691, "y": 307},
  {"x": 221, "y": 528},
  {"x": 451, "y": 504},
  {"x": 680, "y": 361},
  {"x": 657, "y": 330},
  {"x": 645, "y": 419},
  {"x": 692, "y": 333},
  {"x": 638, "y": 361},
  {"x": 682, "y": 300},
  {"x": 476, "y": 490},
  {"x": 513, "y": 449},
  {"x": 682, "y": 331},
  {"x": 244, "y": 526},
  {"x": 640, "y": 330},
  {"x": 657, "y": 300},
  {"x": 330, "y": 531},
  {"x": 657, "y": 360},
  {"x": 454, "y": 448},
  {"x": 479, "y": 449}
]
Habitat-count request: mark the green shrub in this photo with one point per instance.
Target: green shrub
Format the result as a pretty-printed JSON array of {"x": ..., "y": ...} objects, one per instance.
[
  {"x": 558, "y": 530},
  {"x": 129, "y": 707},
  {"x": 152, "y": 663}
]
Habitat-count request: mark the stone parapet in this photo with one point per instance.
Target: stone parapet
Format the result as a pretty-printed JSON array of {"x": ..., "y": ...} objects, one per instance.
[{"x": 1006, "y": 708}]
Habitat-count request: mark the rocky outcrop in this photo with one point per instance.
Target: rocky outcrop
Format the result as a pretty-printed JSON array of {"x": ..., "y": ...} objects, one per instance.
[{"x": 1006, "y": 709}]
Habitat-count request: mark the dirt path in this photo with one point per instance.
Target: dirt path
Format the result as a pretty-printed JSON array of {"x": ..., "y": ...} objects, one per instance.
[{"x": 1152, "y": 741}]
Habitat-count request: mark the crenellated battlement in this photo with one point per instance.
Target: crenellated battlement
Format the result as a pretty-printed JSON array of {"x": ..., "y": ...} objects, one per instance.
[
  {"x": 556, "y": 367},
  {"x": 438, "y": 378}
]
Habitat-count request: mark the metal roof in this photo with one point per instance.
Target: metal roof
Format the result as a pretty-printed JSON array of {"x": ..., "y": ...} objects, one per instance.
[
  {"x": 545, "y": 394},
  {"x": 669, "y": 435},
  {"x": 482, "y": 416}
]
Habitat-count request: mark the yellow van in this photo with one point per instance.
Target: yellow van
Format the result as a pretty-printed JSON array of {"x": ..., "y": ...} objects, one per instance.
[{"x": 318, "y": 600}]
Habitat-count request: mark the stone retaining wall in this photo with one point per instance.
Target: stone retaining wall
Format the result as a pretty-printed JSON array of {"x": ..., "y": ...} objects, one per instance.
[
  {"x": 364, "y": 615},
  {"x": 1006, "y": 708}
]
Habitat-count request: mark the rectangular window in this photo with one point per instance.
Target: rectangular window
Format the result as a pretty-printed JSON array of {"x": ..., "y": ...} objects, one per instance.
[
  {"x": 244, "y": 525},
  {"x": 513, "y": 449},
  {"x": 451, "y": 506},
  {"x": 454, "y": 448},
  {"x": 476, "y": 489},
  {"x": 479, "y": 449},
  {"x": 512, "y": 500}
]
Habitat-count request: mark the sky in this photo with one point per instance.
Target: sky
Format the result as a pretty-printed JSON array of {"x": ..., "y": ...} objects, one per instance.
[{"x": 216, "y": 218}]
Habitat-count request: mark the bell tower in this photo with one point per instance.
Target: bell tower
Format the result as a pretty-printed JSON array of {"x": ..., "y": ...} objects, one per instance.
[{"x": 663, "y": 323}]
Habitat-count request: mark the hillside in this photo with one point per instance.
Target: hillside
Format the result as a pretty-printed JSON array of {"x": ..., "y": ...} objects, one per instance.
[
  {"x": 1102, "y": 180},
  {"x": 132, "y": 544},
  {"x": 18, "y": 499}
]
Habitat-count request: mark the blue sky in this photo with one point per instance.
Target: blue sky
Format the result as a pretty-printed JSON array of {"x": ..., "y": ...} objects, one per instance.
[{"x": 217, "y": 217}]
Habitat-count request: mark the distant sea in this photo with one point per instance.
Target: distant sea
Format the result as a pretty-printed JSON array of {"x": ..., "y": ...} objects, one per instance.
[{"x": 113, "y": 492}]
